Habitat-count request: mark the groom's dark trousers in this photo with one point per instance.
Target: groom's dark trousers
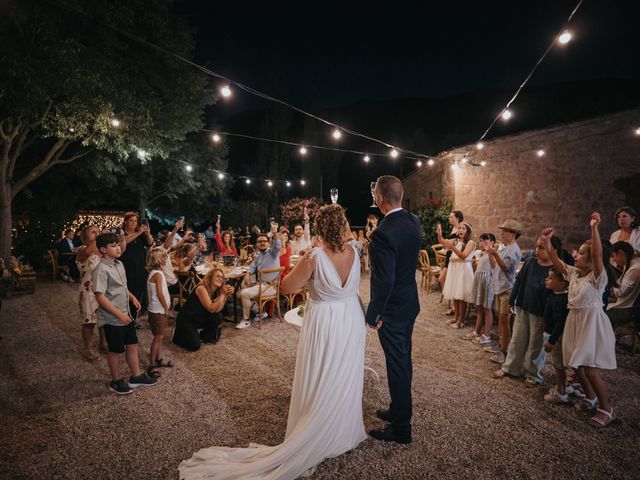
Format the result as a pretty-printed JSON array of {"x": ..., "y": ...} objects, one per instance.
[{"x": 394, "y": 300}]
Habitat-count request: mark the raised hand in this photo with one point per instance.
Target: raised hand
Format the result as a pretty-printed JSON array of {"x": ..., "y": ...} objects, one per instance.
[
  {"x": 547, "y": 233},
  {"x": 180, "y": 224},
  {"x": 595, "y": 219}
]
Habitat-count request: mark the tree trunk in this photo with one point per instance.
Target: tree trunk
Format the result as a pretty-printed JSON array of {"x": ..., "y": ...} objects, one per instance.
[{"x": 6, "y": 221}]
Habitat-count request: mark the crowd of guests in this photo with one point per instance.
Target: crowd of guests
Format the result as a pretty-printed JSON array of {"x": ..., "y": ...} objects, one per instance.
[{"x": 548, "y": 302}]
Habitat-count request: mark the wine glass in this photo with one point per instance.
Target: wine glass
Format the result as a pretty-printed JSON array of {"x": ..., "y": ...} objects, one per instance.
[
  {"x": 372, "y": 186},
  {"x": 334, "y": 195},
  {"x": 273, "y": 223}
]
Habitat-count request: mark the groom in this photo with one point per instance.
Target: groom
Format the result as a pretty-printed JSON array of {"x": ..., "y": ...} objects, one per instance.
[{"x": 394, "y": 302}]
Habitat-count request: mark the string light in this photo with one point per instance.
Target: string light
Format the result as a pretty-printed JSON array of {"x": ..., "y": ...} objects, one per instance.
[
  {"x": 269, "y": 183},
  {"x": 483, "y": 163},
  {"x": 288, "y": 183},
  {"x": 247, "y": 181},
  {"x": 637, "y": 131},
  {"x": 367, "y": 158},
  {"x": 540, "y": 153},
  {"x": 479, "y": 146},
  {"x": 215, "y": 137},
  {"x": 419, "y": 163},
  {"x": 506, "y": 114},
  {"x": 303, "y": 150},
  {"x": 141, "y": 154},
  {"x": 188, "y": 167},
  {"x": 221, "y": 176},
  {"x": 303, "y": 182},
  {"x": 337, "y": 134},
  {"x": 225, "y": 91},
  {"x": 431, "y": 162},
  {"x": 565, "y": 37},
  {"x": 115, "y": 123},
  {"x": 393, "y": 153}
]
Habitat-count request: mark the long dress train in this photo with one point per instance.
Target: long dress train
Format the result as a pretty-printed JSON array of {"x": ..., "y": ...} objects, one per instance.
[{"x": 325, "y": 413}]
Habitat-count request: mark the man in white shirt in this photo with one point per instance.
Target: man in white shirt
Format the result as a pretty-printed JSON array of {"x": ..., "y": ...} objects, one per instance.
[{"x": 301, "y": 236}]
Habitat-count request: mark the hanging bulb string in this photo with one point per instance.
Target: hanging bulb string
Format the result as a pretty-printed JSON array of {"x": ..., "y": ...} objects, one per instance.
[{"x": 316, "y": 147}]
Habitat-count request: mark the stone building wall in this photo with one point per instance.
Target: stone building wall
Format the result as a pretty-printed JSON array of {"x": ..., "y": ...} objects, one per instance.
[{"x": 588, "y": 165}]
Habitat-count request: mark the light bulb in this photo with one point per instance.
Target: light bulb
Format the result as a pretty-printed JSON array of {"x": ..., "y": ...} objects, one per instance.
[
  {"x": 225, "y": 91},
  {"x": 393, "y": 153},
  {"x": 269, "y": 183},
  {"x": 637, "y": 131},
  {"x": 419, "y": 163},
  {"x": 221, "y": 176},
  {"x": 115, "y": 122},
  {"x": 431, "y": 162},
  {"x": 506, "y": 115},
  {"x": 479, "y": 145},
  {"x": 483, "y": 163},
  {"x": 337, "y": 133},
  {"x": 366, "y": 157},
  {"x": 303, "y": 183},
  {"x": 540, "y": 153},
  {"x": 247, "y": 181},
  {"x": 141, "y": 153},
  {"x": 565, "y": 37},
  {"x": 188, "y": 168},
  {"x": 303, "y": 151},
  {"x": 72, "y": 129},
  {"x": 215, "y": 137},
  {"x": 288, "y": 183}
]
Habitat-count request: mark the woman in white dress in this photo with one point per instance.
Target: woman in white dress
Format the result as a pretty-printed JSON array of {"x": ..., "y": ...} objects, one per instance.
[
  {"x": 459, "y": 283},
  {"x": 588, "y": 341},
  {"x": 325, "y": 412}
]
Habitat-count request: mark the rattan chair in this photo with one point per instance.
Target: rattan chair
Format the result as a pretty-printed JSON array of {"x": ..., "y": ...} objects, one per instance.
[{"x": 266, "y": 283}]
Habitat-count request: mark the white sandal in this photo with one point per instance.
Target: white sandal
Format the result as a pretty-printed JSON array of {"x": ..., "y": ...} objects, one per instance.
[{"x": 597, "y": 422}]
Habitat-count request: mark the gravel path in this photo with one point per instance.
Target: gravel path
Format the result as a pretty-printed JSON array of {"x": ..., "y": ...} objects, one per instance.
[{"x": 59, "y": 421}]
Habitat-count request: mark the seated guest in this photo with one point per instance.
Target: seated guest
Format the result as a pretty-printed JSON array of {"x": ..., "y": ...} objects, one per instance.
[
  {"x": 255, "y": 231},
  {"x": 301, "y": 236},
  {"x": 201, "y": 250},
  {"x": 67, "y": 255},
  {"x": 226, "y": 244},
  {"x": 182, "y": 259},
  {"x": 208, "y": 234},
  {"x": 267, "y": 257},
  {"x": 285, "y": 254},
  {"x": 621, "y": 305},
  {"x": 201, "y": 311},
  {"x": 627, "y": 220}
]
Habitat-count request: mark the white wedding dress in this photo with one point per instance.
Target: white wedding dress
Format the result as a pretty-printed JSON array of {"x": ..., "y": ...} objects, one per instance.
[{"x": 325, "y": 413}]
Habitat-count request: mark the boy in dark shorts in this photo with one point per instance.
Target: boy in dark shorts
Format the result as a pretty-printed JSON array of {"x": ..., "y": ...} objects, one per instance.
[{"x": 110, "y": 287}]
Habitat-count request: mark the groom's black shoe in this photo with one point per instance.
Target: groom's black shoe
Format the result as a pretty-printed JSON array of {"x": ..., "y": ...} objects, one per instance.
[
  {"x": 384, "y": 415},
  {"x": 389, "y": 435}
]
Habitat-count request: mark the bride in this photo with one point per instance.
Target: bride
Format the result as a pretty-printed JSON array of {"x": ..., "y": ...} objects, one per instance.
[{"x": 325, "y": 413}]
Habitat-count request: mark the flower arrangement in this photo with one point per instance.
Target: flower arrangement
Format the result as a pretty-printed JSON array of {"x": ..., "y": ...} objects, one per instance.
[{"x": 430, "y": 214}]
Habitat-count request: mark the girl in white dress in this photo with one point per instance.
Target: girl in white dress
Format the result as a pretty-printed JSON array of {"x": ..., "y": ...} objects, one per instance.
[
  {"x": 458, "y": 285},
  {"x": 588, "y": 341},
  {"x": 325, "y": 413}
]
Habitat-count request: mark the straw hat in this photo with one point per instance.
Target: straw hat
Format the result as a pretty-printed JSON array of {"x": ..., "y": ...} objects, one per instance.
[{"x": 511, "y": 225}]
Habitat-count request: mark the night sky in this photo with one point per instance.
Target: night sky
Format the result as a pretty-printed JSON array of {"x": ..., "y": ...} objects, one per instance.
[{"x": 329, "y": 57}]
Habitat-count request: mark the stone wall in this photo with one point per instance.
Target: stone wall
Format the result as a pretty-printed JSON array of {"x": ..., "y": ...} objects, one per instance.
[{"x": 586, "y": 166}]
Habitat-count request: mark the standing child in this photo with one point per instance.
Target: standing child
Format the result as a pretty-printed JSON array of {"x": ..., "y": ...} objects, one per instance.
[
  {"x": 158, "y": 294},
  {"x": 504, "y": 263},
  {"x": 482, "y": 295},
  {"x": 110, "y": 287},
  {"x": 458, "y": 285},
  {"x": 555, "y": 316},
  {"x": 588, "y": 344}
]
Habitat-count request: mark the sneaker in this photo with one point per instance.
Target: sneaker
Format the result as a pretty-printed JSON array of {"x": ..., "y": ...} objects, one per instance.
[
  {"x": 568, "y": 389},
  {"x": 554, "y": 397},
  {"x": 492, "y": 349},
  {"x": 120, "y": 387},
  {"x": 471, "y": 335},
  {"x": 142, "y": 380},
  {"x": 482, "y": 340},
  {"x": 498, "y": 358},
  {"x": 243, "y": 324},
  {"x": 264, "y": 315}
]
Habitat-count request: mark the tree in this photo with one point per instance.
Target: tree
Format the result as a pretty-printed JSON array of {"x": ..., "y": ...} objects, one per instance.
[{"x": 71, "y": 86}]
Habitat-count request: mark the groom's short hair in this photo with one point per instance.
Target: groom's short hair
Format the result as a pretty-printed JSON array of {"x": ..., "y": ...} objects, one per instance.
[{"x": 390, "y": 188}]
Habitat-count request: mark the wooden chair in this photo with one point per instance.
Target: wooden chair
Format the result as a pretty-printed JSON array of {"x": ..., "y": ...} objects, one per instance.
[
  {"x": 428, "y": 272},
  {"x": 290, "y": 298},
  {"x": 56, "y": 268},
  {"x": 266, "y": 283}
]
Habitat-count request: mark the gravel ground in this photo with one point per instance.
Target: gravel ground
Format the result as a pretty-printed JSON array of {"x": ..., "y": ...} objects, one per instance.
[{"x": 59, "y": 421}]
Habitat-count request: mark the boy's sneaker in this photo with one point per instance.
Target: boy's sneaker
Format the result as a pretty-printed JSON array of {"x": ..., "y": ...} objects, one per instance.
[
  {"x": 120, "y": 387},
  {"x": 492, "y": 349},
  {"x": 142, "y": 380},
  {"x": 554, "y": 397},
  {"x": 243, "y": 324}
]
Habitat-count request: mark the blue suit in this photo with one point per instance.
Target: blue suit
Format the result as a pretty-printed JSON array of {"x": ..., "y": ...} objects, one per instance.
[{"x": 394, "y": 300}]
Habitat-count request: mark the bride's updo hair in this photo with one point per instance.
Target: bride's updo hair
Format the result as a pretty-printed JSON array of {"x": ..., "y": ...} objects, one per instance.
[{"x": 331, "y": 226}]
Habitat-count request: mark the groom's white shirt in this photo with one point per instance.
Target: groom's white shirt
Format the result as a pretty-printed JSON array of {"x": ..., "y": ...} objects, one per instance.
[{"x": 393, "y": 211}]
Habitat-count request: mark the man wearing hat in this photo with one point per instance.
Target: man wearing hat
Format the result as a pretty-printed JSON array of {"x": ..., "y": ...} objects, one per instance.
[{"x": 504, "y": 263}]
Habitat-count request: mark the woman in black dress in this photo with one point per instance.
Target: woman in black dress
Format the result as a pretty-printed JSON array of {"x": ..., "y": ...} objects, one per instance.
[
  {"x": 202, "y": 311},
  {"x": 134, "y": 258}
]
